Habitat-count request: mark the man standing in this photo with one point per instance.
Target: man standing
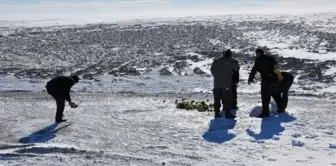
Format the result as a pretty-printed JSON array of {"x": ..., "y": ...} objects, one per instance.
[
  {"x": 285, "y": 85},
  {"x": 59, "y": 89},
  {"x": 267, "y": 67},
  {"x": 222, "y": 70}
]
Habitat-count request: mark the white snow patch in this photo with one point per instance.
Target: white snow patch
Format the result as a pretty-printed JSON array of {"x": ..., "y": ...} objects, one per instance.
[
  {"x": 276, "y": 137},
  {"x": 301, "y": 54},
  {"x": 203, "y": 65},
  {"x": 329, "y": 89},
  {"x": 272, "y": 44},
  {"x": 215, "y": 41}
]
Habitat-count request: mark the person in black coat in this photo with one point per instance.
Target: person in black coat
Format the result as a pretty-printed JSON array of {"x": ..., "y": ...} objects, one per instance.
[
  {"x": 266, "y": 66},
  {"x": 222, "y": 70},
  {"x": 59, "y": 88},
  {"x": 285, "y": 85}
]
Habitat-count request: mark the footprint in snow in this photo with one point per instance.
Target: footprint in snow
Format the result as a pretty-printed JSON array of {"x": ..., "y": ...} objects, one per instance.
[
  {"x": 300, "y": 124},
  {"x": 329, "y": 133},
  {"x": 261, "y": 141},
  {"x": 297, "y": 143},
  {"x": 311, "y": 136},
  {"x": 301, "y": 161},
  {"x": 296, "y": 135}
]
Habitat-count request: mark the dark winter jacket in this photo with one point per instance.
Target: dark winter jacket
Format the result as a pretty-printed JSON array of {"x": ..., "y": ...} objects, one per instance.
[
  {"x": 60, "y": 87},
  {"x": 222, "y": 70},
  {"x": 287, "y": 82},
  {"x": 264, "y": 64}
]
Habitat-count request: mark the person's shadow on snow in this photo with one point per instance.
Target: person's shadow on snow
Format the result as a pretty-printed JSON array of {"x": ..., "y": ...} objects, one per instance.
[
  {"x": 219, "y": 130},
  {"x": 270, "y": 127},
  {"x": 44, "y": 135}
]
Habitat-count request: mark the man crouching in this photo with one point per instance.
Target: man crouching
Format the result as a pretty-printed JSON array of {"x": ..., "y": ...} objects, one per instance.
[
  {"x": 222, "y": 70},
  {"x": 59, "y": 89}
]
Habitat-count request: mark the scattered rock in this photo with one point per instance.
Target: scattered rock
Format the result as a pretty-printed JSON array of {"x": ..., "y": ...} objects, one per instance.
[
  {"x": 199, "y": 71},
  {"x": 88, "y": 77},
  {"x": 165, "y": 72},
  {"x": 88, "y": 157},
  {"x": 195, "y": 58},
  {"x": 180, "y": 65},
  {"x": 129, "y": 71}
]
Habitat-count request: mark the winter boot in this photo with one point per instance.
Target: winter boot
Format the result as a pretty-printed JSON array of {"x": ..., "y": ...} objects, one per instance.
[
  {"x": 229, "y": 115},
  {"x": 281, "y": 111},
  {"x": 60, "y": 120},
  {"x": 217, "y": 115},
  {"x": 264, "y": 114}
]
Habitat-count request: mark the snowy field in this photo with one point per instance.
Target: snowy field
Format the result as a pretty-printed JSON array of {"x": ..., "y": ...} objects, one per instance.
[
  {"x": 170, "y": 55},
  {"x": 135, "y": 129},
  {"x": 125, "y": 64}
]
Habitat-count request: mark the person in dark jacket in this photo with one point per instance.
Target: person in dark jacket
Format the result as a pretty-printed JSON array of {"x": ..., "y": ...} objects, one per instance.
[
  {"x": 285, "y": 85},
  {"x": 266, "y": 66},
  {"x": 59, "y": 89},
  {"x": 222, "y": 70}
]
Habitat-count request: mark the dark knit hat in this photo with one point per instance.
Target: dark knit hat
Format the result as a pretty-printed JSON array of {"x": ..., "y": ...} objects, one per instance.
[
  {"x": 260, "y": 51},
  {"x": 227, "y": 53}
]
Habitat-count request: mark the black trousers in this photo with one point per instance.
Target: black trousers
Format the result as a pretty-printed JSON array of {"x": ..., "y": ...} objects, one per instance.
[
  {"x": 269, "y": 90},
  {"x": 224, "y": 96},
  {"x": 234, "y": 96},
  {"x": 60, "y": 103}
]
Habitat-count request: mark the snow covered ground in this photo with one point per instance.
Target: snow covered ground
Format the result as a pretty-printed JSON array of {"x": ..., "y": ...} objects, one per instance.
[
  {"x": 170, "y": 55},
  {"x": 125, "y": 64},
  {"x": 140, "y": 129}
]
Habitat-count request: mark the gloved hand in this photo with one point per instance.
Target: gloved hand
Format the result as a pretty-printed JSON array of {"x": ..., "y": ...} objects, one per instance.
[{"x": 73, "y": 105}]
